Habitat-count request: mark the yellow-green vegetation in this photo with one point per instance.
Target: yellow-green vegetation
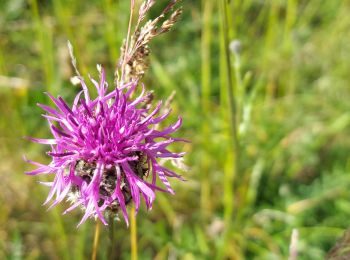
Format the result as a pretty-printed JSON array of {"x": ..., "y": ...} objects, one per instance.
[{"x": 264, "y": 90}]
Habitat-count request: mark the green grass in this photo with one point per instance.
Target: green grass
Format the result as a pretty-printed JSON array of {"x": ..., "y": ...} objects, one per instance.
[{"x": 269, "y": 126}]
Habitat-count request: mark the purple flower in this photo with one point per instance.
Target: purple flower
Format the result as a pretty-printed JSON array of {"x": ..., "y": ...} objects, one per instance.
[{"x": 104, "y": 149}]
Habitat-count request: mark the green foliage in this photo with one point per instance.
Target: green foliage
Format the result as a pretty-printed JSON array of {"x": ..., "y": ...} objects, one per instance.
[{"x": 269, "y": 126}]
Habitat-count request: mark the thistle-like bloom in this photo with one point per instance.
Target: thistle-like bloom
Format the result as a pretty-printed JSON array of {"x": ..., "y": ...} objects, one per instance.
[{"x": 104, "y": 149}]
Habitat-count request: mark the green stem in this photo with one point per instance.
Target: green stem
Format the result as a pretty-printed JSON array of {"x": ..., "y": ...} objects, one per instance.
[
  {"x": 231, "y": 162},
  {"x": 126, "y": 51},
  {"x": 44, "y": 37},
  {"x": 64, "y": 14},
  {"x": 230, "y": 87},
  {"x": 133, "y": 234},
  {"x": 206, "y": 82},
  {"x": 111, "y": 237},
  {"x": 110, "y": 35},
  {"x": 96, "y": 239}
]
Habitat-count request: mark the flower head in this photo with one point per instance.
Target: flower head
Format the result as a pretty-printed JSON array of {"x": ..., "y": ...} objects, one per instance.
[{"x": 104, "y": 149}]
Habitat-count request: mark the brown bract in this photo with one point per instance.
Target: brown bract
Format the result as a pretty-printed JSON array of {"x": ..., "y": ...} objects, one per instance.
[{"x": 108, "y": 182}]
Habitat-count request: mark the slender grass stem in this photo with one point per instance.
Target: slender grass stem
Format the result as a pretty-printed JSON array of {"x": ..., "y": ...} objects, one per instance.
[
  {"x": 80, "y": 245},
  {"x": 133, "y": 234},
  {"x": 206, "y": 40},
  {"x": 111, "y": 237},
  {"x": 2, "y": 62},
  {"x": 64, "y": 14},
  {"x": 231, "y": 164},
  {"x": 126, "y": 51},
  {"x": 230, "y": 87},
  {"x": 96, "y": 239},
  {"x": 270, "y": 43},
  {"x": 206, "y": 51},
  {"x": 44, "y": 36},
  {"x": 240, "y": 93},
  {"x": 290, "y": 20},
  {"x": 111, "y": 39}
]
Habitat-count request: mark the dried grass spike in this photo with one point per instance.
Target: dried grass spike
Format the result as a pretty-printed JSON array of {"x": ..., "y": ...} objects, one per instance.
[
  {"x": 167, "y": 24},
  {"x": 73, "y": 59}
]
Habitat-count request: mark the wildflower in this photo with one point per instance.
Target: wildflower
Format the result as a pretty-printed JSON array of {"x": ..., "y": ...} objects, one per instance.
[{"x": 104, "y": 149}]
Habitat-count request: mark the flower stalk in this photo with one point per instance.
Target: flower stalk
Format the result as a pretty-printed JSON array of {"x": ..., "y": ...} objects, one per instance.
[
  {"x": 96, "y": 240},
  {"x": 133, "y": 235}
]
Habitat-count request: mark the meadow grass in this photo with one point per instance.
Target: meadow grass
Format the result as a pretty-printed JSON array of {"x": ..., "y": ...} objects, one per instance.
[{"x": 268, "y": 124}]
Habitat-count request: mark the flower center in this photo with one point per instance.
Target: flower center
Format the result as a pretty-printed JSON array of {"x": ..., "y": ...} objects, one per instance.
[{"x": 108, "y": 181}]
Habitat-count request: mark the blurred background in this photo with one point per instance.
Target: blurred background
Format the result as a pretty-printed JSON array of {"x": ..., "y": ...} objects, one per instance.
[{"x": 268, "y": 118}]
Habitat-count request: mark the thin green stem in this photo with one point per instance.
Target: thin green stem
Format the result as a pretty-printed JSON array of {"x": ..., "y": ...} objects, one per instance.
[
  {"x": 46, "y": 49},
  {"x": 110, "y": 35},
  {"x": 206, "y": 82},
  {"x": 2, "y": 62},
  {"x": 63, "y": 14},
  {"x": 232, "y": 104},
  {"x": 230, "y": 87},
  {"x": 96, "y": 240},
  {"x": 231, "y": 162},
  {"x": 290, "y": 21},
  {"x": 133, "y": 234},
  {"x": 240, "y": 91},
  {"x": 111, "y": 237},
  {"x": 126, "y": 50}
]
